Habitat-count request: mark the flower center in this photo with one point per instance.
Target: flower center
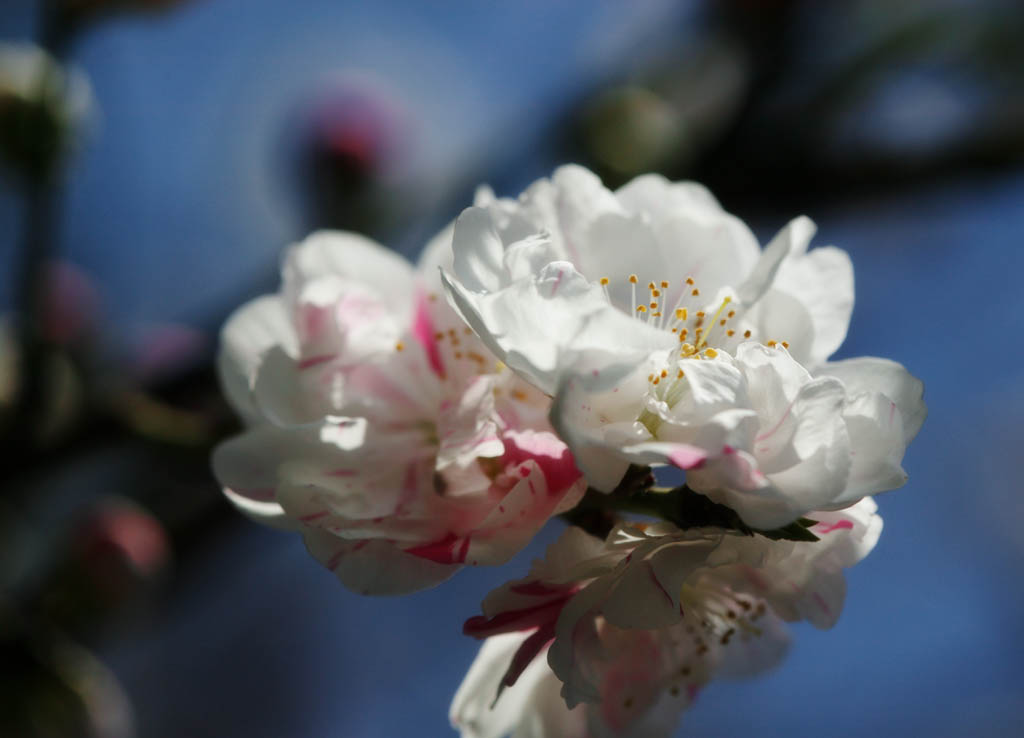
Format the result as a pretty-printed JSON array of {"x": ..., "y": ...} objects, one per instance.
[
  {"x": 685, "y": 315},
  {"x": 718, "y": 613}
]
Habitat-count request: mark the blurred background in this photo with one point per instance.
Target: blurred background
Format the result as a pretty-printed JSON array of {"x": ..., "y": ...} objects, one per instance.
[{"x": 151, "y": 178}]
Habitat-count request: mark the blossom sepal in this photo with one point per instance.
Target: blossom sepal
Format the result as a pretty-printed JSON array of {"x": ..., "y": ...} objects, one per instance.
[{"x": 681, "y": 506}]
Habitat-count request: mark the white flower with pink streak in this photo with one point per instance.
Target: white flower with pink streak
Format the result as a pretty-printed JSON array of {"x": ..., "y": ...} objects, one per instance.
[
  {"x": 669, "y": 337},
  {"x": 379, "y": 427},
  {"x": 635, "y": 626}
]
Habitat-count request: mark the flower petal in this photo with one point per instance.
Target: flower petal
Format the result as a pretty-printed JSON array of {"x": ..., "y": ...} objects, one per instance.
[
  {"x": 793, "y": 239},
  {"x": 247, "y": 335},
  {"x": 822, "y": 281},
  {"x": 374, "y": 566},
  {"x": 531, "y": 708},
  {"x": 353, "y": 258},
  {"x": 872, "y": 374}
]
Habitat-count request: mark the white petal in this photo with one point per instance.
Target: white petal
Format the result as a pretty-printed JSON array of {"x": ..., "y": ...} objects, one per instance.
[
  {"x": 247, "y": 466},
  {"x": 747, "y": 657},
  {"x": 779, "y": 316},
  {"x": 247, "y": 335},
  {"x": 375, "y": 567},
  {"x": 598, "y": 424},
  {"x": 541, "y": 327},
  {"x": 531, "y": 708},
  {"x": 717, "y": 251},
  {"x": 477, "y": 251},
  {"x": 353, "y": 258},
  {"x": 820, "y": 451},
  {"x": 822, "y": 281},
  {"x": 791, "y": 240},
  {"x": 285, "y": 394},
  {"x": 436, "y": 255},
  {"x": 467, "y": 426},
  {"x": 877, "y": 437},
  {"x": 661, "y": 199},
  {"x": 871, "y": 374}
]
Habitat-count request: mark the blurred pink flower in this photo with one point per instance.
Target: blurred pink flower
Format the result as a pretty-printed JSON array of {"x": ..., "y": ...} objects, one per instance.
[{"x": 380, "y": 428}]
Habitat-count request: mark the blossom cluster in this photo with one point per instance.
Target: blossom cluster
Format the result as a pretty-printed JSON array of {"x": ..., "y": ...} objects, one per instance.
[{"x": 548, "y": 356}]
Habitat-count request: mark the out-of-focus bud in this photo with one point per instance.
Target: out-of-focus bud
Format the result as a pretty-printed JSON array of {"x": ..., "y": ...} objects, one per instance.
[
  {"x": 115, "y": 558},
  {"x": 43, "y": 107},
  {"x": 71, "y": 305},
  {"x": 121, "y": 548},
  {"x": 353, "y": 149}
]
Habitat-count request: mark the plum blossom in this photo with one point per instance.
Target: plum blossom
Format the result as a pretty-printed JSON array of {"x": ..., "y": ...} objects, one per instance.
[
  {"x": 667, "y": 336},
  {"x": 634, "y": 627},
  {"x": 379, "y": 427}
]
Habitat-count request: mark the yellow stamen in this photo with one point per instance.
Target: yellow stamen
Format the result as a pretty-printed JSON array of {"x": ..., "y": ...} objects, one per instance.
[{"x": 725, "y": 302}]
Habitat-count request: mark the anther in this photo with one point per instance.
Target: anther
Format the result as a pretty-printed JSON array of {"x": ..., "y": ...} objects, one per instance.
[
  {"x": 604, "y": 281},
  {"x": 632, "y": 279},
  {"x": 399, "y": 346},
  {"x": 746, "y": 334}
]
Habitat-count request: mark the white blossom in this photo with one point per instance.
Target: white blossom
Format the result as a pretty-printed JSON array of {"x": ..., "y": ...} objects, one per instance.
[
  {"x": 636, "y": 626},
  {"x": 668, "y": 336},
  {"x": 379, "y": 426}
]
